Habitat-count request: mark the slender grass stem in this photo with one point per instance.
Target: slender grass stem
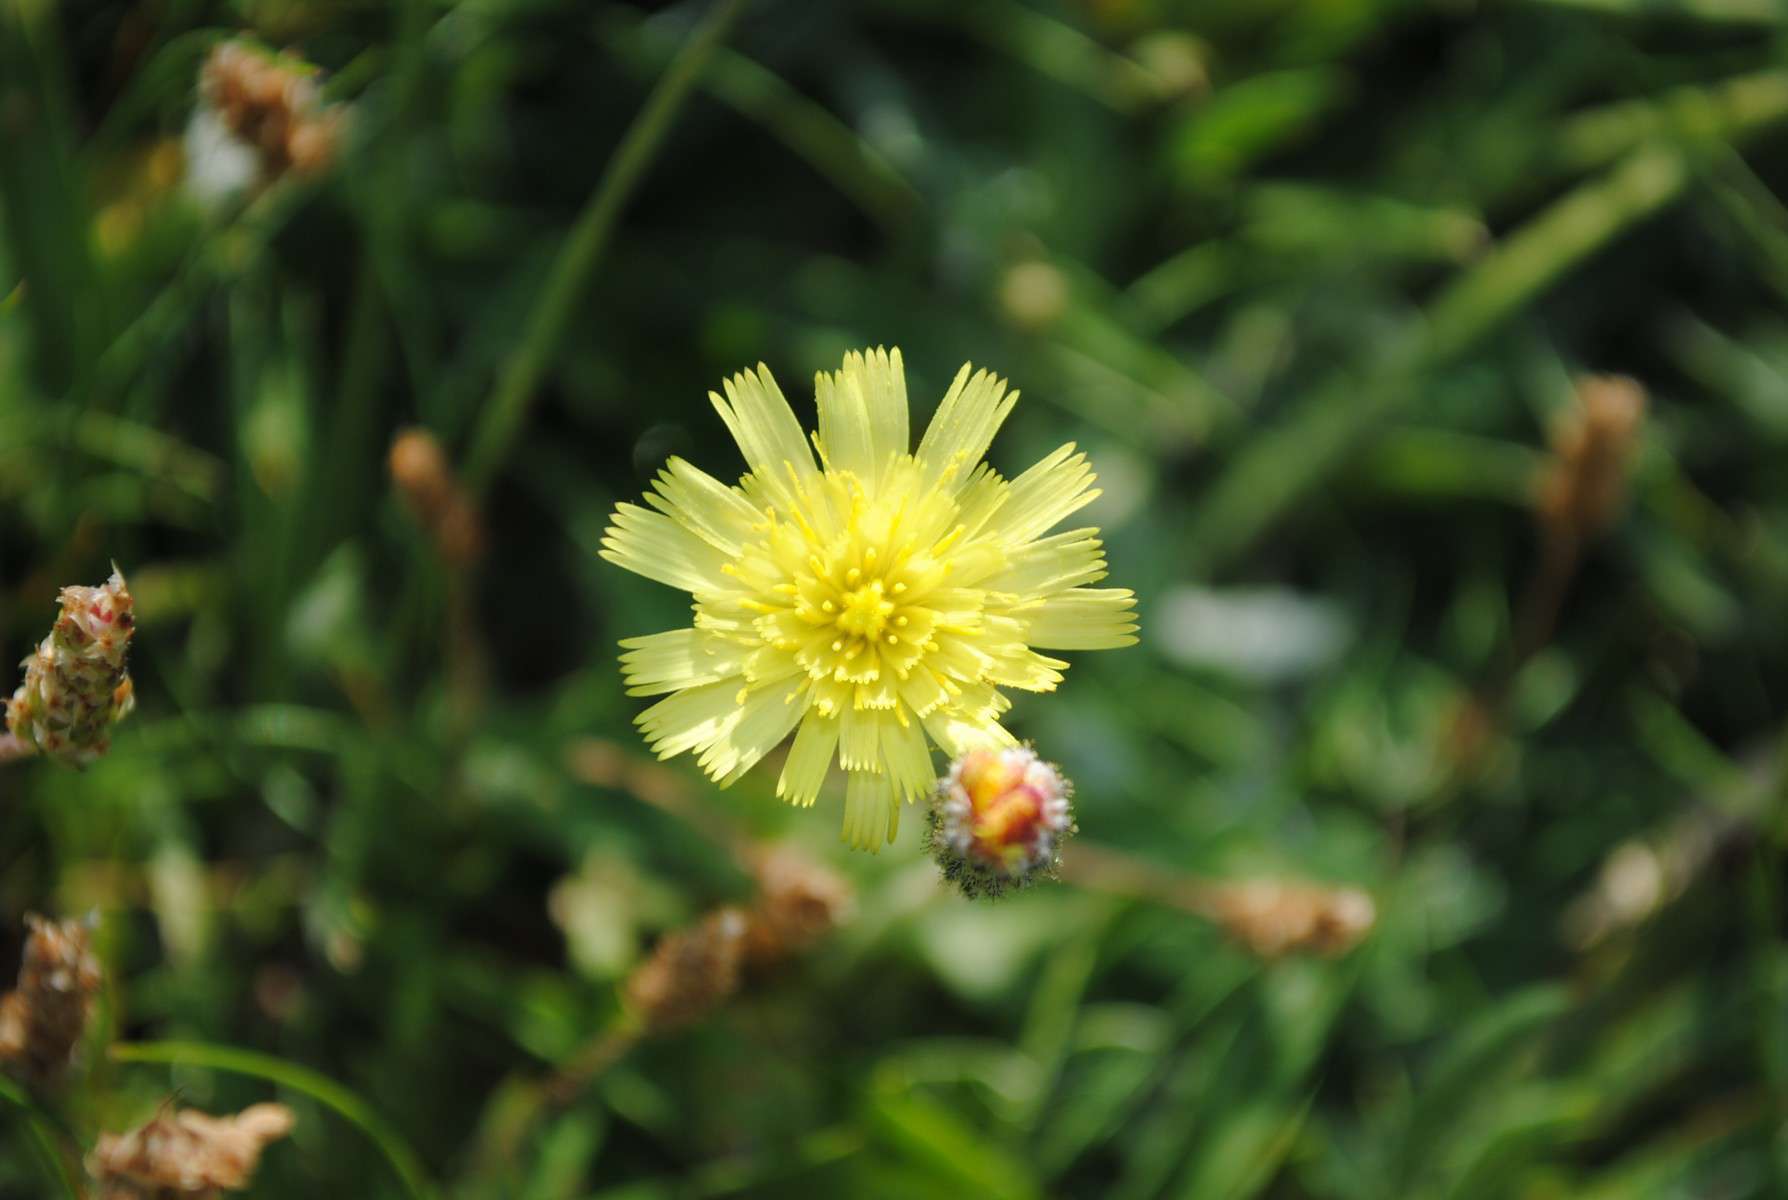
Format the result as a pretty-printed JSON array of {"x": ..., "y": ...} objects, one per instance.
[
  {"x": 507, "y": 410},
  {"x": 405, "y": 1163},
  {"x": 38, "y": 1127}
]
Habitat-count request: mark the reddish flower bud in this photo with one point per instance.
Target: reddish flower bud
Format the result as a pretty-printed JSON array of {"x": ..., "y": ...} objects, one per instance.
[{"x": 998, "y": 819}]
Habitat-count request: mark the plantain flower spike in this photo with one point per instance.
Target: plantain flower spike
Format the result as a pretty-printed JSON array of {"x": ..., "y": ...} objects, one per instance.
[
  {"x": 998, "y": 820},
  {"x": 76, "y": 685}
]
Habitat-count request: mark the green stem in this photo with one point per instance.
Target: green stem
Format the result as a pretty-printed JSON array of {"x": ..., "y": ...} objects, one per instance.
[
  {"x": 507, "y": 409},
  {"x": 405, "y": 1163},
  {"x": 1280, "y": 467},
  {"x": 830, "y": 146},
  {"x": 39, "y": 1125}
]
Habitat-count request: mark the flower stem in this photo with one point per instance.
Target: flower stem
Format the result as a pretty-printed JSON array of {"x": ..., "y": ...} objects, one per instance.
[
  {"x": 404, "y": 1161},
  {"x": 508, "y": 406}
]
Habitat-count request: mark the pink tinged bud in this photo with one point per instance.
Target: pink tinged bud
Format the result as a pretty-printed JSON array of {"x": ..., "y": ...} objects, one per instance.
[{"x": 998, "y": 819}]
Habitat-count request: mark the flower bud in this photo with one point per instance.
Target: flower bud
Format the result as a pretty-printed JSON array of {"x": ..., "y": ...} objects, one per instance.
[
  {"x": 998, "y": 819},
  {"x": 76, "y": 684}
]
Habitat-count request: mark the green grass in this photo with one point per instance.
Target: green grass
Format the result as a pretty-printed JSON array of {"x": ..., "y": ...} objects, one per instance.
[{"x": 1311, "y": 283}]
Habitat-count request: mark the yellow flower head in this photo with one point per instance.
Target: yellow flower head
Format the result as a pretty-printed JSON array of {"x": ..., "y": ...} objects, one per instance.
[{"x": 878, "y": 598}]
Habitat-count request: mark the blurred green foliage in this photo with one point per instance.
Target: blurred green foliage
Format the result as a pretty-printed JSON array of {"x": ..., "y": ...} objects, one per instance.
[{"x": 1311, "y": 280}]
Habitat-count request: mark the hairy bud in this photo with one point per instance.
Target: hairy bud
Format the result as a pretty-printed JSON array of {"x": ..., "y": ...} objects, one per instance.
[{"x": 998, "y": 819}]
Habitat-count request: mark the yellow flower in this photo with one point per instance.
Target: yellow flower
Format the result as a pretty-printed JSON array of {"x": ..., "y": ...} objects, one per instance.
[{"x": 867, "y": 603}]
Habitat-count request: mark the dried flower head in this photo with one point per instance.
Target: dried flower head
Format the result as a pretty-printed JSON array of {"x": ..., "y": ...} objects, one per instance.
[
  {"x": 271, "y": 104},
  {"x": 1584, "y": 484},
  {"x": 43, "y": 1019},
  {"x": 868, "y": 603},
  {"x": 798, "y": 903},
  {"x": 443, "y": 508},
  {"x": 1273, "y": 918},
  {"x": 690, "y": 973},
  {"x": 185, "y": 1153},
  {"x": 76, "y": 685},
  {"x": 998, "y": 820}
]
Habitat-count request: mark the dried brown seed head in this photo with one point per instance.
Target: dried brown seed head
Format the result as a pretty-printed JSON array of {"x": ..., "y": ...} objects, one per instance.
[
  {"x": 271, "y": 103},
  {"x": 424, "y": 477},
  {"x": 1273, "y": 918},
  {"x": 42, "y": 1020},
  {"x": 690, "y": 973},
  {"x": 186, "y": 1153},
  {"x": 798, "y": 903},
  {"x": 1583, "y": 487}
]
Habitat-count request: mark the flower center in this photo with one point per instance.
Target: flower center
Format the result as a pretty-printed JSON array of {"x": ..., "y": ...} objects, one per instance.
[{"x": 865, "y": 610}]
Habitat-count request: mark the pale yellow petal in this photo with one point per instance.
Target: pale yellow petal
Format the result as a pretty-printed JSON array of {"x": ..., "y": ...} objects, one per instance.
[
  {"x": 884, "y": 388},
  {"x": 923, "y": 691},
  {"x": 651, "y": 544},
  {"x": 1029, "y": 671},
  {"x": 958, "y": 733},
  {"x": 809, "y": 757},
  {"x": 866, "y": 428},
  {"x": 980, "y": 498},
  {"x": 1051, "y": 564},
  {"x": 1043, "y": 496},
  {"x": 678, "y": 658},
  {"x": 863, "y": 414},
  {"x": 718, "y": 514},
  {"x": 859, "y": 740},
  {"x": 907, "y": 756},
  {"x": 845, "y": 438},
  {"x": 765, "y": 718},
  {"x": 963, "y": 428},
  {"x": 871, "y": 816},
  {"x": 691, "y": 718},
  {"x": 1084, "y": 619},
  {"x": 768, "y": 435}
]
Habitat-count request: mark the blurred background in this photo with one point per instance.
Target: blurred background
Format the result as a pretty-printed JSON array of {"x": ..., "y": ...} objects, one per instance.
[{"x": 1433, "y": 358}]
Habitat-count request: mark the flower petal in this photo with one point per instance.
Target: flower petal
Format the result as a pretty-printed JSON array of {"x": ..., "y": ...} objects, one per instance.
[
  {"x": 764, "y": 720},
  {"x": 690, "y": 718},
  {"x": 863, "y": 414},
  {"x": 653, "y": 545},
  {"x": 761, "y": 421},
  {"x": 718, "y": 514},
  {"x": 678, "y": 658},
  {"x": 958, "y": 732},
  {"x": 1043, "y": 496},
  {"x": 1051, "y": 565},
  {"x": 859, "y": 740},
  {"x": 963, "y": 428},
  {"x": 1084, "y": 619},
  {"x": 808, "y": 759},
  {"x": 871, "y": 817},
  {"x": 906, "y": 755}
]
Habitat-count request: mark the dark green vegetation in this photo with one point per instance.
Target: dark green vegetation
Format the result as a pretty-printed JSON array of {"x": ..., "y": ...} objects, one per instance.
[{"x": 1312, "y": 281}]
